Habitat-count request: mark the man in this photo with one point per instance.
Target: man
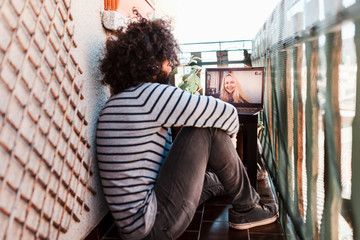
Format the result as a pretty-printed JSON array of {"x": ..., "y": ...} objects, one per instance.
[{"x": 153, "y": 186}]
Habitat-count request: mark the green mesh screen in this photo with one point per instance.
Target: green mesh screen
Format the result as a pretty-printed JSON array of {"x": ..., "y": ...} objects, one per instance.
[{"x": 311, "y": 140}]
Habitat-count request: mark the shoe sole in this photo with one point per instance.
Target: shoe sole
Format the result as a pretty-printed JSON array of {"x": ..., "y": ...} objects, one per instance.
[{"x": 244, "y": 226}]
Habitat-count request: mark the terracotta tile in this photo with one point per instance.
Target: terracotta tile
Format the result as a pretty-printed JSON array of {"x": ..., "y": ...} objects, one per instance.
[
  {"x": 221, "y": 231},
  {"x": 112, "y": 233},
  {"x": 93, "y": 235},
  {"x": 106, "y": 224},
  {"x": 48, "y": 207},
  {"x": 13, "y": 116},
  {"x": 219, "y": 200},
  {"x": 7, "y": 199},
  {"x": 200, "y": 208},
  {"x": 18, "y": 211},
  {"x": 273, "y": 228},
  {"x": 196, "y": 222},
  {"x": 14, "y": 174},
  {"x": 27, "y": 129},
  {"x": 31, "y": 222},
  {"x": 38, "y": 197},
  {"x": 15, "y": 231},
  {"x": 6, "y": 158},
  {"x": 43, "y": 228},
  {"x": 266, "y": 236},
  {"x": 44, "y": 123},
  {"x": 216, "y": 212},
  {"x": 65, "y": 221},
  {"x": 189, "y": 235},
  {"x": 8, "y": 137}
]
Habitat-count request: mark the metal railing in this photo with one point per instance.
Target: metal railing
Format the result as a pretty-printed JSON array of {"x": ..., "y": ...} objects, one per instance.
[{"x": 217, "y": 53}]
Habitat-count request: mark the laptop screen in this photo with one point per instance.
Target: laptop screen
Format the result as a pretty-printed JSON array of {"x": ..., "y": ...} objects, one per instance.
[{"x": 242, "y": 87}]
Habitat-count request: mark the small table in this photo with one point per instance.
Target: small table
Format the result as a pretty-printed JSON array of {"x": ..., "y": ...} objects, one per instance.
[{"x": 249, "y": 149}]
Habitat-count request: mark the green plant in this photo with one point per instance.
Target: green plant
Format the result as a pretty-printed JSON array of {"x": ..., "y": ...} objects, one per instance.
[{"x": 190, "y": 82}]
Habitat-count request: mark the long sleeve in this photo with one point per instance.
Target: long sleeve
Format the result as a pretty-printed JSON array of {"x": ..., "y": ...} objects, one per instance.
[
  {"x": 184, "y": 109},
  {"x": 132, "y": 141}
]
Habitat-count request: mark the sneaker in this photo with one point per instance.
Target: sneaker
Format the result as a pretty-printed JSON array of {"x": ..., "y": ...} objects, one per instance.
[{"x": 261, "y": 214}]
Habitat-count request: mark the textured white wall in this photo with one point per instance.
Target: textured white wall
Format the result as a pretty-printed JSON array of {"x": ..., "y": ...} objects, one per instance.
[
  {"x": 50, "y": 99},
  {"x": 91, "y": 37}
]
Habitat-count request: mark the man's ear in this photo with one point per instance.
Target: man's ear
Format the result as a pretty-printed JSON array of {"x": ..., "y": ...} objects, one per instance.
[{"x": 154, "y": 69}]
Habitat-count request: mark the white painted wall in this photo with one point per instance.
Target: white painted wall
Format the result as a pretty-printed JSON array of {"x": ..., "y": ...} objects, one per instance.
[{"x": 90, "y": 37}]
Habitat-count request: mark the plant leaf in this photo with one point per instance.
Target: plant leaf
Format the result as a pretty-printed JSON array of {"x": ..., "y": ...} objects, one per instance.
[
  {"x": 197, "y": 67},
  {"x": 194, "y": 83},
  {"x": 184, "y": 85},
  {"x": 186, "y": 76}
]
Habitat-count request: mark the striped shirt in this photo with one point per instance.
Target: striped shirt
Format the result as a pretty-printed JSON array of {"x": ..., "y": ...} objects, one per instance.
[{"x": 133, "y": 139}]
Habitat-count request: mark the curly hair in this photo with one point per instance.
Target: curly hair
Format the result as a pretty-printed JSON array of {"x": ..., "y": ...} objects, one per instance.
[{"x": 136, "y": 52}]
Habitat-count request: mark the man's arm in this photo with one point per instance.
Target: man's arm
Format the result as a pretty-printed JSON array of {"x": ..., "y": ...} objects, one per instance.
[{"x": 181, "y": 108}]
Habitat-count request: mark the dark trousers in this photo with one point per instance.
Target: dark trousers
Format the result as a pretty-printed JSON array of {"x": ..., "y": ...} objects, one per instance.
[{"x": 184, "y": 180}]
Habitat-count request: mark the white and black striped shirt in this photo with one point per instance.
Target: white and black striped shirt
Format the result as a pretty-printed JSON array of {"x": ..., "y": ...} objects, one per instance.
[{"x": 133, "y": 140}]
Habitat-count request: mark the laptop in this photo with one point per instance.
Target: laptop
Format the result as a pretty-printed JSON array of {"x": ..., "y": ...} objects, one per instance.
[{"x": 241, "y": 87}]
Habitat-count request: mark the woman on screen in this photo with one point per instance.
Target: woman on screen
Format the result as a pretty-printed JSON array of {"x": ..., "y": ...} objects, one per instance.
[{"x": 231, "y": 90}]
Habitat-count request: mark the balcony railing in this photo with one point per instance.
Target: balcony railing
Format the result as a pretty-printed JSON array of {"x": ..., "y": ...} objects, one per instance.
[
  {"x": 217, "y": 53},
  {"x": 311, "y": 52}
]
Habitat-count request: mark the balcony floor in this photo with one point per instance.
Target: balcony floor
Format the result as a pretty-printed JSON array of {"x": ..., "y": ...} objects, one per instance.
[{"x": 209, "y": 223}]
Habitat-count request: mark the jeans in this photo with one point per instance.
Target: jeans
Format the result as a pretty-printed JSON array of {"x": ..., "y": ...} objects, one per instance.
[{"x": 184, "y": 180}]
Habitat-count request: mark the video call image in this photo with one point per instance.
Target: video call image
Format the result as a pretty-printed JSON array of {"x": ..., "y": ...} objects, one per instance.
[{"x": 239, "y": 87}]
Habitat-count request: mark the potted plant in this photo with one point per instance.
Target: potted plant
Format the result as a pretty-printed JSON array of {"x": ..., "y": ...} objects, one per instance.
[{"x": 190, "y": 81}]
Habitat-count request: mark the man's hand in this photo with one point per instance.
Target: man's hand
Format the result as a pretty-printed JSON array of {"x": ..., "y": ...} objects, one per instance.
[{"x": 234, "y": 141}]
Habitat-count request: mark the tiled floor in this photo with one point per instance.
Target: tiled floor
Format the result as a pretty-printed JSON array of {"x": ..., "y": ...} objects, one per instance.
[{"x": 209, "y": 223}]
